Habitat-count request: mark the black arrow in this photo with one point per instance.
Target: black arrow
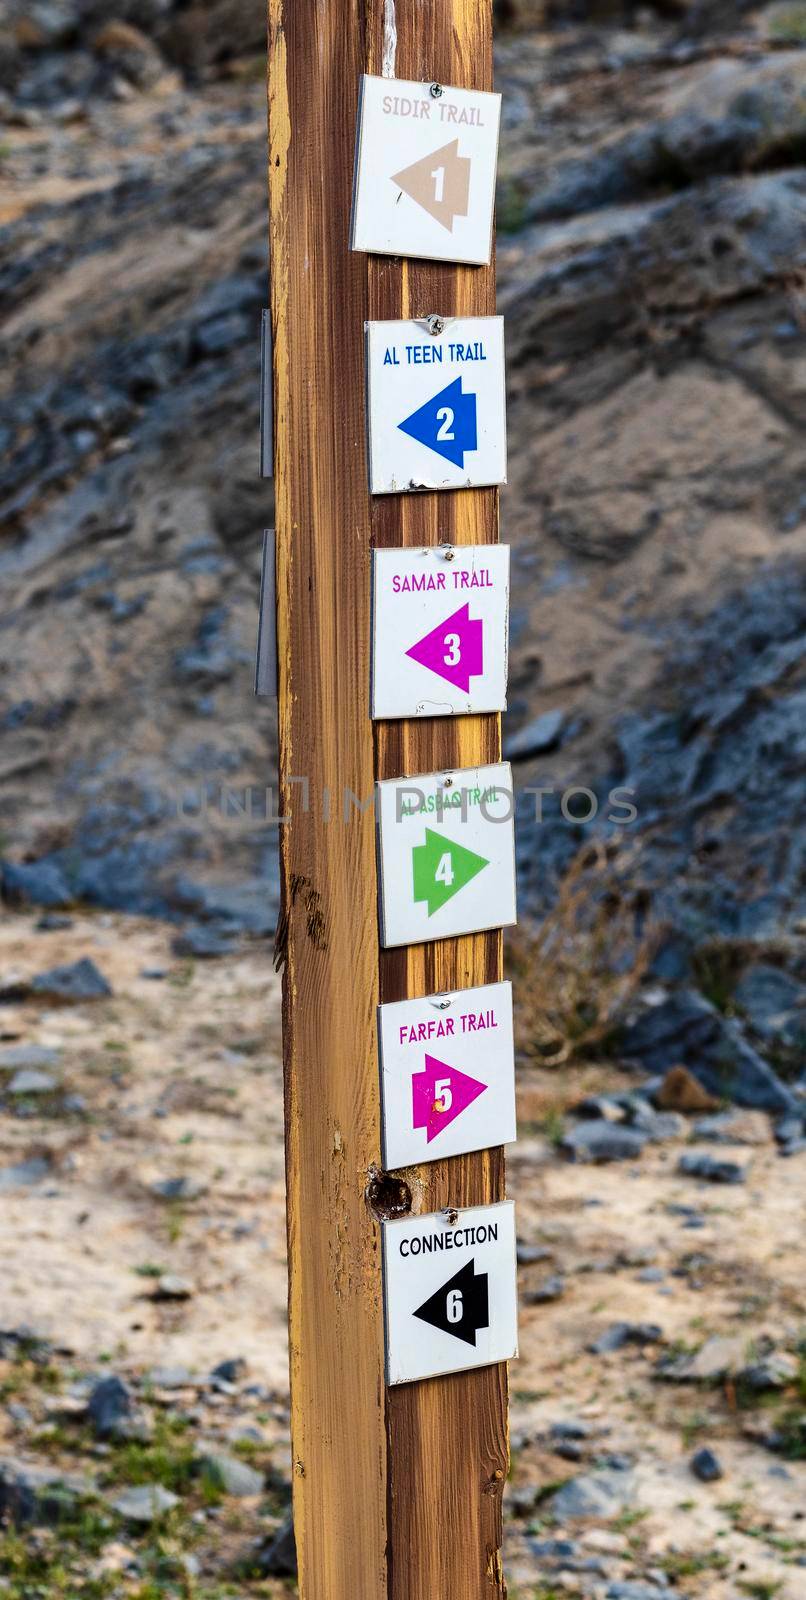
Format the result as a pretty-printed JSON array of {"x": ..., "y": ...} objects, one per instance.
[{"x": 461, "y": 1306}]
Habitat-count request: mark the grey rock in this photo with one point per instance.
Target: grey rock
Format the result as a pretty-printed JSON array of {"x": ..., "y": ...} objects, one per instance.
[
  {"x": 144, "y": 1503},
  {"x": 171, "y": 1287},
  {"x": 600, "y": 1495},
  {"x": 774, "y": 1004},
  {"x": 231, "y": 1475},
  {"x": 202, "y": 942},
  {"x": 529, "y": 1254},
  {"x": 183, "y": 1188},
  {"x": 795, "y": 1147},
  {"x": 687, "y": 1030},
  {"x": 71, "y": 984},
  {"x": 620, "y": 1334},
  {"x": 278, "y": 1557},
  {"x": 171, "y": 1378},
  {"x": 706, "y": 1466},
  {"x": 554, "y": 1552},
  {"x": 603, "y": 1141},
  {"x": 28, "y": 1057},
  {"x": 537, "y": 738},
  {"x": 231, "y": 1370},
  {"x": 523, "y": 1499},
  {"x": 775, "y": 1370},
  {"x": 28, "y": 1081},
  {"x": 710, "y": 1171},
  {"x": 110, "y": 1405},
  {"x": 25, "y": 1174},
  {"x": 789, "y": 1129},
  {"x": 35, "y": 1494},
  {"x": 550, "y": 1289},
  {"x": 53, "y": 922},
  {"x": 570, "y": 1429},
  {"x": 651, "y": 1275},
  {"x": 39, "y": 883}
]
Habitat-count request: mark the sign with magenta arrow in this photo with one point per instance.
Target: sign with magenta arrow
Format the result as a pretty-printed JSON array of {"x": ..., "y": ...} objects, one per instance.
[
  {"x": 425, "y": 171},
  {"x": 436, "y": 404},
  {"x": 446, "y": 424},
  {"x": 440, "y": 1094},
  {"x": 454, "y": 650},
  {"x": 446, "y": 853},
  {"x": 447, "y": 1074},
  {"x": 450, "y": 1291},
  {"x": 440, "y": 624}
]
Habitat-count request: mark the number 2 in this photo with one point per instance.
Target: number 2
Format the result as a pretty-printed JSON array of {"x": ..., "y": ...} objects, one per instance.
[{"x": 445, "y": 416}]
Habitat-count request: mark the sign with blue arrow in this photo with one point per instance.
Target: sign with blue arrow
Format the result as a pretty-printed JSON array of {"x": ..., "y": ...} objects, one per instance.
[
  {"x": 446, "y": 424},
  {"x": 436, "y": 404}
]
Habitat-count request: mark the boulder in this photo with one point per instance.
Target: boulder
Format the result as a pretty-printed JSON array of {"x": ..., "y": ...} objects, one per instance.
[
  {"x": 685, "y": 1029},
  {"x": 603, "y": 1141}
]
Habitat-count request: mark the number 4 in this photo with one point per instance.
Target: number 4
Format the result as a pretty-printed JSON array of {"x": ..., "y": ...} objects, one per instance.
[{"x": 444, "y": 872}]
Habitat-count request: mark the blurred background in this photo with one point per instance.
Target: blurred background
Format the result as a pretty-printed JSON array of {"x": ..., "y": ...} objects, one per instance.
[{"x": 652, "y": 234}]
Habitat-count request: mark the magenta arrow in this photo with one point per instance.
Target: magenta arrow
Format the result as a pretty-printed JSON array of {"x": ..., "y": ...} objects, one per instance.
[
  {"x": 454, "y": 650},
  {"x": 440, "y": 1094}
]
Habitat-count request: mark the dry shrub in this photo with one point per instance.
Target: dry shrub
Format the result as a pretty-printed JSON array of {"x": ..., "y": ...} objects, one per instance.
[{"x": 576, "y": 971}]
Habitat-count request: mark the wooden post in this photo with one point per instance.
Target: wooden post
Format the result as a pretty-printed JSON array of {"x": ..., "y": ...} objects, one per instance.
[{"x": 397, "y": 1492}]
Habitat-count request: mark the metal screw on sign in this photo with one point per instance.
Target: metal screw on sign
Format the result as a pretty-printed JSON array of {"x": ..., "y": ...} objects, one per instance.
[
  {"x": 437, "y": 91},
  {"x": 449, "y": 555},
  {"x": 435, "y": 325}
]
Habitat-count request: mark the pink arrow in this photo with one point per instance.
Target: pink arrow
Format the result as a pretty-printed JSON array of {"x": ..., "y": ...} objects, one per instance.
[
  {"x": 440, "y": 1094},
  {"x": 454, "y": 650}
]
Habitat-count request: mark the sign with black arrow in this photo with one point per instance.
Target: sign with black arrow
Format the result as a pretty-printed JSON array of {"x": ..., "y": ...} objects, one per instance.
[
  {"x": 461, "y": 1306},
  {"x": 450, "y": 1291}
]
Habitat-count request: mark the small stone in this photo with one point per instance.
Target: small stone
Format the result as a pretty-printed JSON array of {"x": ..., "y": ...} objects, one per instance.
[
  {"x": 170, "y": 1378},
  {"x": 620, "y": 1334},
  {"x": 720, "y": 1357},
  {"x": 651, "y": 1275},
  {"x": 39, "y": 1495},
  {"x": 570, "y": 1429},
  {"x": 25, "y": 1174},
  {"x": 110, "y": 1403},
  {"x": 230, "y": 1371},
  {"x": 710, "y": 1171},
  {"x": 73, "y": 984},
  {"x": 203, "y": 943},
  {"x": 278, "y": 1556},
  {"x": 680, "y": 1091},
  {"x": 550, "y": 1289},
  {"x": 596, "y": 1495},
  {"x": 523, "y": 1499},
  {"x": 774, "y": 1371},
  {"x": 603, "y": 1141},
  {"x": 706, "y": 1466},
  {"x": 172, "y": 1287},
  {"x": 28, "y": 1058},
  {"x": 145, "y": 1503},
  {"x": 183, "y": 1188},
  {"x": 537, "y": 738},
  {"x": 231, "y": 1475},
  {"x": 32, "y": 1082},
  {"x": 529, "y": 1254}
]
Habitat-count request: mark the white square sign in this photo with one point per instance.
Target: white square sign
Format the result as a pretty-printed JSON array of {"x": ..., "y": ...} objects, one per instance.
[
  {"x": 447, "y": 1074},
  {"x": 447, "y": 854},
  {"x": 440, "y": 622},
  {"x": 436, "y": 405},
  {"x": 450, "y": 1292},
  {"x": 425, "y": 171}
]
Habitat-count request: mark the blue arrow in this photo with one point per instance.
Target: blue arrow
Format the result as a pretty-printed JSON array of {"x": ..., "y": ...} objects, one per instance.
[{"x": 446, "y": 424}]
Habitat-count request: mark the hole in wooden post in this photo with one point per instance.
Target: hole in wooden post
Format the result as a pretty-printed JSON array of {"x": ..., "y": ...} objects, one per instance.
[{"x": 387, "y": 1197}]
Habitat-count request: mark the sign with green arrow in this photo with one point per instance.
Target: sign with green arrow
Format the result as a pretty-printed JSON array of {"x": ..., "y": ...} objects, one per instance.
[
  {"x": 447, "y": 854},
  {"x": 442, "y": 868}
]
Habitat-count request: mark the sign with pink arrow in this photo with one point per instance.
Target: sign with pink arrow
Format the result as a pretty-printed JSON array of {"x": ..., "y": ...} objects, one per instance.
[
  {"x": 440, "y": 627},
  {"x": 425, "y": 170},
  {"x": 447, "y": 1074}
]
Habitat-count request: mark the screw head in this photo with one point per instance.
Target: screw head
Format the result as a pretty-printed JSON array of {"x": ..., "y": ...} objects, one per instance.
[
  {"x": 437, "y": 91},
  {"x": 435, "y": 324}
]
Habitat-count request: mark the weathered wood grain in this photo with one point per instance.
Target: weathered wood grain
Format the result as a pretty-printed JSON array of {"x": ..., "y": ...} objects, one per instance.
[{"x": 397, "y": 1495}]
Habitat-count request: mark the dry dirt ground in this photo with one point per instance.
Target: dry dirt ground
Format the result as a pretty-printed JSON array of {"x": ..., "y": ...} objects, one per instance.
[{"x": 179, "y": 1076}]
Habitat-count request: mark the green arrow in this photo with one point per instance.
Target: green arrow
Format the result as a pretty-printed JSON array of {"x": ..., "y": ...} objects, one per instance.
[{"x": 441, "y": 868}]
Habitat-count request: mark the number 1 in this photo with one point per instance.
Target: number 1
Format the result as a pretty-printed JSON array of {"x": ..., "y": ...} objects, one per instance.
[{"x": 439, "y": 184}]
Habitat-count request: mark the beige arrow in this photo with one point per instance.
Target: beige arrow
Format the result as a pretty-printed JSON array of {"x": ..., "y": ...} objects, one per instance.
[{"x": 440, "y": 183}]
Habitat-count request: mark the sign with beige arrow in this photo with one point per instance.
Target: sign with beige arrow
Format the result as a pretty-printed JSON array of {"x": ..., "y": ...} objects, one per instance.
[{"x": 425, "y": 170}]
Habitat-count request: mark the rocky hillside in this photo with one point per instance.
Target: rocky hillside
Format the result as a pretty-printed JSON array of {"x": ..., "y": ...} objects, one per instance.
[{"x": 652, "y": 223}]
